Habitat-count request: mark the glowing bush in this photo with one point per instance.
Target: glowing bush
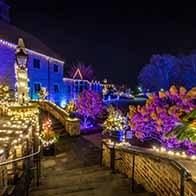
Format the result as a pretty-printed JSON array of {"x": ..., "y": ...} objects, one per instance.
[
  {"x": 48, "y": 136},
  {"x": 161, "y": 113},
  {"x": 71, "y": 108},
  {"x": 89, "y": 105},
  {"x": 115, "y": 120}
]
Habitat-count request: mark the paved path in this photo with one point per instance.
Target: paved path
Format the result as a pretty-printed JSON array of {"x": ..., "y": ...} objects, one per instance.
[{"x": 75, "y": 171}]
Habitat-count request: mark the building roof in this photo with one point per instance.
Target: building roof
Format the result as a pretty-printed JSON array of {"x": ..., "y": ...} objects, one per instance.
[
  {"x": 11, "y": 34},
  {"x": 78, "y": 75}
]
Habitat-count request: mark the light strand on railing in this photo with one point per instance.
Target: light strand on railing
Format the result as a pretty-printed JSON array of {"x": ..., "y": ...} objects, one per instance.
[{"x": 163, "y": 150}]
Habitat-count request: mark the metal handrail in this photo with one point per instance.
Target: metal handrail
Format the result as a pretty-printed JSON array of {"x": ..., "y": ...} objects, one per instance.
[
  {"x": 184, "y": 172},
  {"x": 21, "y": 158},
  {"x": 139, "y": 150}
]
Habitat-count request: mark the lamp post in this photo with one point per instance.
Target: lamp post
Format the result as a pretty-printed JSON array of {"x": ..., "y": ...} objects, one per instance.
[{"x": 21, "y": 73}]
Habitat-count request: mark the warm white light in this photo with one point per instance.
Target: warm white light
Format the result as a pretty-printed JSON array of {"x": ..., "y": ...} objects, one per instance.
[
  {"x": 163, "y": 149},
  {"x": 193, "y": 157}
]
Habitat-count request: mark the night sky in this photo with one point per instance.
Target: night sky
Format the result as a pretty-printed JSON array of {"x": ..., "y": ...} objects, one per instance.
[{"x": 117, "y": 39}]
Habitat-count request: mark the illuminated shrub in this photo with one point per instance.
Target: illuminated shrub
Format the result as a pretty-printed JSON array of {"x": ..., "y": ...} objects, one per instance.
[
  {"x": 115, "y": 120},
  {"x": 160, "y": 114},
  {"x": 89, "y": 105}
]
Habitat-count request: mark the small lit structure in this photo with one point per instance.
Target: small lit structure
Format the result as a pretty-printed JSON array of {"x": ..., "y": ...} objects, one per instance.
[
  {"x": 107, "y": 86},
  {"x": 74, "y": 86},
  {"x": 21, "y": 73}
]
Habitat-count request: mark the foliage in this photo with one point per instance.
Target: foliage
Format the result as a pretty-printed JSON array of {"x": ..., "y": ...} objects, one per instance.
[
  {"x": 4, "y": 92},
  {"x": 48, "y": 136},
  {"x": 186, "y": 130},
  {"x": 115, "y": 120},
  {"x": 89, "y": 106},
  {"x": 166, "y": 70},
  {"x": 71, "y": 108},
  {"x": 43, "y": 93},
  {"x": 86, "y": 71},
  {"x": 160, "y": 113}
]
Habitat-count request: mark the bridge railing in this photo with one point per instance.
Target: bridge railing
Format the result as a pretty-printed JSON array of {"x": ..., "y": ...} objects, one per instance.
[
  {"x": 71, "y": 125},
  {"x": 30, "y": 173},
  {"x": 158, "y": 174}
]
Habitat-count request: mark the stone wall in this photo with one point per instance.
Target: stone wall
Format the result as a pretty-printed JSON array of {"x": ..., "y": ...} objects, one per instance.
[
  {"x": 72, "y": 125},
  {"x": 157, "y": 175}
]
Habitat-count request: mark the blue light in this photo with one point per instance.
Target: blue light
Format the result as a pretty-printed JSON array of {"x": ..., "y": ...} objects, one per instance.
[{"x": 63, "y": 103}]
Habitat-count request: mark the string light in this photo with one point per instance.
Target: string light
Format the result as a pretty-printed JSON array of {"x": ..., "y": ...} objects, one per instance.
[
  {"x": 18, "y": 128},
  {"x": 14, "y": 46},
  {"x": 173, "y": 153},
  {"x": 1, "y": 151}
]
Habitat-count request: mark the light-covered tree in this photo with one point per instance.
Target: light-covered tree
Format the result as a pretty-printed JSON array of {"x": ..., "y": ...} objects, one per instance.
[
  {"x": 89, "y": 105},
  {"x": 164, "y": 71},
  {"x": 156, "y": 74},
  {"x": 184, "y": 71},
  {"x": 160, "y": 115},
  {"x": 186, "y": 130},
  {"x": 115, "y": 120}
]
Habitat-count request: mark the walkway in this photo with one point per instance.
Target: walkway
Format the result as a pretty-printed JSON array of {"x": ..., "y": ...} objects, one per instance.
[{"x": 75, "y": 171}]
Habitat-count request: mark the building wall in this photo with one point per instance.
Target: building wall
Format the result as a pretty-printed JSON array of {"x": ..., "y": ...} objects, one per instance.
[
  {"x": 45, "y": 75},
  {"x": 73, "y": 87}
]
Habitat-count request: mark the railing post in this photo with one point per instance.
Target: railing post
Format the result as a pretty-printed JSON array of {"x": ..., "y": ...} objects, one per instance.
[
  {"x": 112, "y": 159},
  {"x": 38, "y": 169},
  {"x": 27, "y": 176},
  {"x": 101, "y": 155},
  {"x": 182, "y": 176},
  {"x": 133, "y": 174}
]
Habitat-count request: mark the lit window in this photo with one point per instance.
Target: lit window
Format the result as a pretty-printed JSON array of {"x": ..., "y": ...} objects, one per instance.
[
  {"x": 37, "y": 87},
  {"x": 56, "y": 88},
  {"x": 56, "y": 68},
  {"x": 36, "y": 63}
]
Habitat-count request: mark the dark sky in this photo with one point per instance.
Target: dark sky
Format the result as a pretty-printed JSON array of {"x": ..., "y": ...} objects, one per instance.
[{"x": 117, "y": 39}]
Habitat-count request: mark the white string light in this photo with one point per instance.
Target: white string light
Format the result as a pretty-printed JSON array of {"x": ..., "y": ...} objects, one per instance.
[
  {"x": 173, "y": 153},
  {"x": 14, "y": 46}
]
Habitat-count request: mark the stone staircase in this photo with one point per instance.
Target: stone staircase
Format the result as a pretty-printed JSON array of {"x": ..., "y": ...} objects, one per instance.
[
  {"x": 75, "y": 171},
  {"x": 92, "y": 180},
  {"x": 57, "y": 126}
]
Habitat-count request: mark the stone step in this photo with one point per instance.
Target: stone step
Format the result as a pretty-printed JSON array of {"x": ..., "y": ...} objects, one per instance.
[
  {"x": 86, "y": 178},
  {"x": 106, "y": 187},
  {"x": 79, "y": 187},
  {"x": 61, "y": 131},
  {"x": 58, "y": 127},
  {"x": 79, "y": 171}
]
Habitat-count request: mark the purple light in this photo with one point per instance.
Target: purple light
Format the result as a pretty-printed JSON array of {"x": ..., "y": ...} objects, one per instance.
[{"x": 160, "y": 115}]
